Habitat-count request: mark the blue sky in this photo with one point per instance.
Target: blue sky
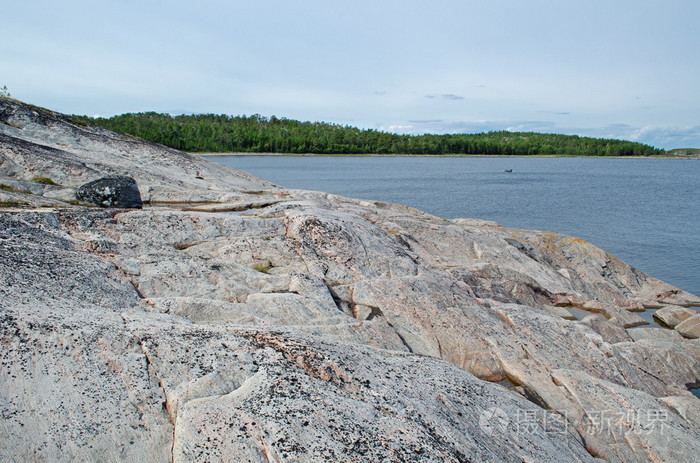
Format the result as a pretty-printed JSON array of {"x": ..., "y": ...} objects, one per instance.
[{"x": 608, "y": 68}]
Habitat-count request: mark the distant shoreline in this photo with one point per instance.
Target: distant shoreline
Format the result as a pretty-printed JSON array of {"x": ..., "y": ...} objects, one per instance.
[{"x": 691, "y": 156}]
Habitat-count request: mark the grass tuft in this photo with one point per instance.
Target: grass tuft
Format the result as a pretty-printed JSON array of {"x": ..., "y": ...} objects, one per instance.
[
  {"x": 6, "y": 187},
  {"x": 263, "y": 268},
  {"x": 11, "y": 124},
  {"x": 13, "y": 203},
  {"x": 76, "y": 202},
  {"x": 44, "y": 181},
  {"x": 80, "y": 122}
]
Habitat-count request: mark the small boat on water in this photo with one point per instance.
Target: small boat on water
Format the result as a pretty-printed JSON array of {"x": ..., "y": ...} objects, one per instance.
[{"x": 509, "y": 170}]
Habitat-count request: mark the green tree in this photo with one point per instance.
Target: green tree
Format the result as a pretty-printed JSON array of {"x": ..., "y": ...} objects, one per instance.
[
  {"x": 222, "y": 133},
  {"x": 4, "y": 92}
]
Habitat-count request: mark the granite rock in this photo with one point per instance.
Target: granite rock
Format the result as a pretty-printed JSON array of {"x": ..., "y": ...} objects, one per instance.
[
  {"x": 690, "y": 327},
  {"x": 290, "y": 325},
  {"x": 637, "y": 334},
  {"x": 671, "y": 315}
]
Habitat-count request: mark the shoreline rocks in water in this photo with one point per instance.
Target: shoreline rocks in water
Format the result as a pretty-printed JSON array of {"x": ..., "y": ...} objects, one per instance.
[{"x": 311, "y": 327}]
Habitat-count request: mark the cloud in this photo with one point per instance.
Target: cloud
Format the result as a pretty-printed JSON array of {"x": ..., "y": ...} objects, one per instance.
[
  {"x": 177, "y": 112},
  {"x": 664, "y": 137},
  {"x": 445, "y": 96},
  {"x": 532, "y": 126},
  {"x": 438, "y": 126},
  {"x": 661, "y": 137},
  {"x": 401, "y": 129},
  {"x": 558, "y": 113},
  {"x": 380, "y": 92}
]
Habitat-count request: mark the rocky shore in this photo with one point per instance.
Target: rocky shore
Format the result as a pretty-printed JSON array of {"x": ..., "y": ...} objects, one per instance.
[{"x": 232, "y": 319}]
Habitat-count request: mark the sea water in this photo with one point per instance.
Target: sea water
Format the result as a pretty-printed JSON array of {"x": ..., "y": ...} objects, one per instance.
[{"x": 644, "y": 211}]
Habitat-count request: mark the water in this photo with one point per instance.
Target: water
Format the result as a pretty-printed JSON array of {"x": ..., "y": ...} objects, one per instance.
[
  {"x": 644, "y": 211},
  {"x": 579, "y": 314},
  {"x": 648, "y": 316},
  {"x": 695, "y": 391}
]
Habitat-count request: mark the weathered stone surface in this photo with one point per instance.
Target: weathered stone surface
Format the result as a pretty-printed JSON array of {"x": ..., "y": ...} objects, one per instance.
[
  {"x": 621, "y": 424},
  {"x": 672, "y": 315},
  {"x": 687, "y": 407},
  {"x": 336, "y": 408},
  {"x": 638, "y": 334},
  {"x": 558, "y": 311},
  {"x": 74, "y": 383},
  {"x": 111, "y": 191},
  {"x": 311, "y": 327},
  {"x": 610, "y": 332},
  {"x": 690, "y": 327}
]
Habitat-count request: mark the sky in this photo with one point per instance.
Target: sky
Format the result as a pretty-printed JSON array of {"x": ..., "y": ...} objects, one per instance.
[{"x": 602, "y": 68}]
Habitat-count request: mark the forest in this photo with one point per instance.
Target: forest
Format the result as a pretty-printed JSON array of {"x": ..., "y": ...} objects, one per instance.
[{"x": 256, "y": 133}]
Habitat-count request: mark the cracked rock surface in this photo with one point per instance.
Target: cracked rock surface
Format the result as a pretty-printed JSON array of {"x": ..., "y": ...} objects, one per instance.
[{"x": 235, "y": 320}]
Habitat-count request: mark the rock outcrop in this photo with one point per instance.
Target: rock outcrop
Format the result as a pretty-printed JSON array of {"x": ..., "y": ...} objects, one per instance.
[{"x": 235, "y": 320}]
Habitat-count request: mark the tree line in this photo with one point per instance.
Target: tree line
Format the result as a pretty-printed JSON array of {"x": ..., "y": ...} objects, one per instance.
[{"x": 256, "y": 133}]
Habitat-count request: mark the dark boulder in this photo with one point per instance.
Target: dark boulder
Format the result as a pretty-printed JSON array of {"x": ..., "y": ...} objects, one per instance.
[{"x": 111, "y": 191}]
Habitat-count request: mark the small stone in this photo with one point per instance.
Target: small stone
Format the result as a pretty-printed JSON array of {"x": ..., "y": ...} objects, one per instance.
[
  {"x": 690, "y": 328},
  {"x": 672, "y": 315}
]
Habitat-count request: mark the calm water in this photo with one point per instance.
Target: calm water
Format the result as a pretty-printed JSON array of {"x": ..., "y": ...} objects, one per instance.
[{"x": 644, "y": 211}]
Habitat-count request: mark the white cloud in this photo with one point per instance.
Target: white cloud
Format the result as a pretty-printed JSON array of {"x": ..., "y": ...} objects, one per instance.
[
  {"x": 444, "y": 96},
  {"x": 402, "y": 129},
  {"x": 661, "y": 137}
]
